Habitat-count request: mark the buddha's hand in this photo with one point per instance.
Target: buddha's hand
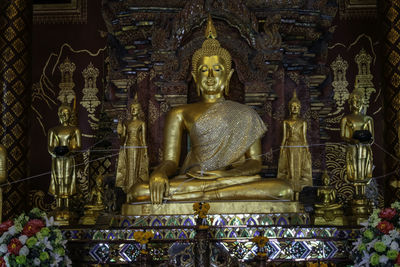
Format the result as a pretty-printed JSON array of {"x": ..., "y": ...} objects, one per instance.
[
  {"x": 159, "y": 186},
  {"x": 208, "y": 175}
]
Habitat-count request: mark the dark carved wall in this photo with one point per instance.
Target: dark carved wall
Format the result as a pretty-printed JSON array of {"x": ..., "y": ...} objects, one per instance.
[{"x": 146, "y": 47}]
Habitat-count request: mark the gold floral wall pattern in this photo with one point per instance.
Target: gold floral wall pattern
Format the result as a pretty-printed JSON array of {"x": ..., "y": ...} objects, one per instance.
[
  {"x": 340, "y": 83},
  {"x": 67, "y": 84},
  {"x": 90, "y": 101},
  {"x": 364, "y": 76}
]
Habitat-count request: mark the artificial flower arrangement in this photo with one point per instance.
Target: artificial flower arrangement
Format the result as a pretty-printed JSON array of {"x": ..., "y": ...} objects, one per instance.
[
  {"x": 378, "y": 244},
  {"x": 32, "y": 240},
  {"x": 261, "y": 242},
  {"x": 143, "y": 238},
  {"x": 200, "y": 210}
]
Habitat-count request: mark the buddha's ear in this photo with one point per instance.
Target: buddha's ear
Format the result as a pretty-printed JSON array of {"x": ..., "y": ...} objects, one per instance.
[
  {"x": 195, "y": 82},
  {"x": 228, "y": 79}
]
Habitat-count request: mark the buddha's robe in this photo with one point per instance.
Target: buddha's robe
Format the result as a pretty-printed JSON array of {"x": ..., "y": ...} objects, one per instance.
[{"x": 221, "y": 136}]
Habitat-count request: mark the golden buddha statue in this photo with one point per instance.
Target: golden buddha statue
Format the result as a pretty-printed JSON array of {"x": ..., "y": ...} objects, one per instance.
[
  {"x": 357, "y": 130},
  {"x": 295, "y": 158},
  {"x": 96, "y": 203},
  {"x": 63, "y": 140},
  {"x": 97, "y": 193},
  {"x": 225, "y": 138},
  {"x": 3, "y": 175},
  {"x": 327, "y": 211},
  {"x": 133, "y": 162}
]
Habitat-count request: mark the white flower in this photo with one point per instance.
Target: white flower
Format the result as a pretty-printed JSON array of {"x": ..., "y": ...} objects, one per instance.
[
  {"x": 394, "y": 234},
  {"x": 383, "y": 259},
  {"x": 364, "y": 262},
  {"x": 24, "y": 251},
  {"x": 4, "y": 236},
  {"x": 371, "y": 244},
  {"x": 12, "y": 230},
  {"x": 49, "y": 221},
  {"x": 36, "y": 261},
  {"x": 7, "y": 259},
  {"x": 47, "y": 243},
  {"x": 394, "y": 245},
  {"x": 23, "y": 239},
  {"x": 3, "y": 248},
  {"x": 386, "y": 239},
  {"x": 57, "y": 258},
  {"x": 67, "y": 261}
]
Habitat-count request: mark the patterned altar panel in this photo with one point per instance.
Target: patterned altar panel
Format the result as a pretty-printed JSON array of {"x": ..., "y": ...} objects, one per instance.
[
  {"x": 392, "y": 82},
  {"x": 229, "y": 236},
  {"x": 15, "y": 71}
]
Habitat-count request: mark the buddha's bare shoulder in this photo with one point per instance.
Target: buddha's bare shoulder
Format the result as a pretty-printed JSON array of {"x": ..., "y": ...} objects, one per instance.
[{"x": 183, "y": 109}]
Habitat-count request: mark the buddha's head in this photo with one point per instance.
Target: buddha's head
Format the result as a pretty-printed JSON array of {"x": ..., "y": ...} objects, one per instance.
[
  {"x": 356, "y": 101},
  {"x": 294, "y": 104},
  {"x": 64, "y": 114},
  {"x": 135, "y": 107},
  {"x": 212, "y": 65},
  {"x": 99, "y": 181},
  {"x": 325, "y": 178}
]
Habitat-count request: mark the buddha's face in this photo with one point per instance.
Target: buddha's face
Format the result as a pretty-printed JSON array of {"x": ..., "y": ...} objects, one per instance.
[
  {"x": 356, "y": 103},
  {"x": 135, "y": 109},
  {"x": 64, "y": 114},
  {"x": 294, "y": 108},
  {"x": 211, "y": 76},
  {"x": 325, "y": 179}
]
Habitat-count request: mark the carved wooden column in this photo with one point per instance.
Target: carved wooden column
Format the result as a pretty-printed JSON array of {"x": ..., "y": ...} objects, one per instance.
[
  {"x": 15, "y": 73},
  {"x": 391, "y": 72}
]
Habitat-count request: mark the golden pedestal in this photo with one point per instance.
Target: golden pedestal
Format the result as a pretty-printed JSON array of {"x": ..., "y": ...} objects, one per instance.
[
  {"x": 64, "y": 217},
  {"x": 329, "y": 217},
  {"x": 361, "y": 209},
  {"x": 91, "y": 214},
  {"x": 216, "y": 207}
]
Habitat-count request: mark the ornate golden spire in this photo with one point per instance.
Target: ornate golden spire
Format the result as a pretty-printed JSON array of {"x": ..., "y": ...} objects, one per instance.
[
  {"x": 211, "y": 32},
  {"x": 294, "y": 98},
  {"x": 211, "y": 47}
]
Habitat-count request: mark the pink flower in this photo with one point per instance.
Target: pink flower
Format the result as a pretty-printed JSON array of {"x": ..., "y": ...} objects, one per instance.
[
  {"x": 385, "y": 227},
  {"x": 387, "y": 213},
  {"x": 14, "y": 246},
  {"x": 4, "y": 226},
  {"x": 32, "y": 227}
]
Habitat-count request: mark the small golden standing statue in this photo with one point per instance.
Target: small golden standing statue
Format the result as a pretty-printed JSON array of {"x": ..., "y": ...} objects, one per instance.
[
  {"x": 327, "y": 211},
  {"x": 225, "y": 141},
  {"x": 96, "y": 203},
  {"x": 133, "y": 161},
  {"x": 357, "y": 130},
  {"x": 295, "y": 158},
  {"x": 63, "y": 140},
  {"x": 3, "y": 175}
]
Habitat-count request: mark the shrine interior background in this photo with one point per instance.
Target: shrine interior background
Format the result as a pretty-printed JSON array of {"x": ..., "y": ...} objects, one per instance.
[{"x": 101, "y": 52}]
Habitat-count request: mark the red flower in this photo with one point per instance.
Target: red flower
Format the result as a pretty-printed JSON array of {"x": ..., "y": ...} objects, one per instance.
[
  {"x": 4, "y": 227},
  {"x": 398, "y": 259},
  {"x": 14, "y": 246},
  {"x": 387, "y": 213},
  {"x": 32, "y": 227},
  {"x": 385, "y": 227},
  {"x": 2, "y": 262}
]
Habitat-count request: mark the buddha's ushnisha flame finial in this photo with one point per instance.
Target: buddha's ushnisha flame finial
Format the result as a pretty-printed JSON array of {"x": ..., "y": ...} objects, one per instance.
[
  {"x": 211, "y": 32},
  {"x": 294, "y": 98},
  {"x": 211, "y": 47},
  {"x": 135, "y": 98}
]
